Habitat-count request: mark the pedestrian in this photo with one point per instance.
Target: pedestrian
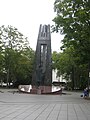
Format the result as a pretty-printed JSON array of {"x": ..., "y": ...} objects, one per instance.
[{"x": 85, "y": 93}]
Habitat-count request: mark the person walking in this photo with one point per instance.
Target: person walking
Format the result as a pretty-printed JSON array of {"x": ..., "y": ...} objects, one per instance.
[{"x": 85, "y": 92}]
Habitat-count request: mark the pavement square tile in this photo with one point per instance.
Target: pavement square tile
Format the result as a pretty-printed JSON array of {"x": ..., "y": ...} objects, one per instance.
[{"x": 43, "y": 107}]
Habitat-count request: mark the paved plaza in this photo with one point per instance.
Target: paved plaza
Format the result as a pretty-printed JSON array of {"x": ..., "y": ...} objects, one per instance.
[{"x": 20, "y": 106}]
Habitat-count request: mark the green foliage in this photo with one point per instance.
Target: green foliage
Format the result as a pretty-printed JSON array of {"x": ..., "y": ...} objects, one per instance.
[
  {"x": 55, "y": 57},
  {"x": 16, "y": 57},
  {"x": 10, "y": 37},
  {"x": 64, "y": 61},
  {"x": 73, "y": 20},
  {"x": 24, "y": 67}
]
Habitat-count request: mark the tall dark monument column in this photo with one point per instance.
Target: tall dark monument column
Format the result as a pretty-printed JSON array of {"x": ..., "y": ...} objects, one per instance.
[{"x": 42, "y": 75}]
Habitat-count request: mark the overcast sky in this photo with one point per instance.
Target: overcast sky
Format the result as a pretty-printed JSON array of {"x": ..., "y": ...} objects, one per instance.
[{"x": 27, "y": 15}]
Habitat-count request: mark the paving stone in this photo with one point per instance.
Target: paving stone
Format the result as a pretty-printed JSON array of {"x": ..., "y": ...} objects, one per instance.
[
  {"x": 72, "y": 118},
  {"x": 43, "y": 107}
]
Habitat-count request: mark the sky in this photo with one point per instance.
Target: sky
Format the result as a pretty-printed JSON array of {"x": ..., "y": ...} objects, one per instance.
[{"x": 27, "y": 15}]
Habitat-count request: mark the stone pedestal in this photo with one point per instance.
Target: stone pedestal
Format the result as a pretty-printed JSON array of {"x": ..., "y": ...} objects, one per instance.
[
  {"x": 39, "y": 92},
  {"x": 41, "y": 89}
]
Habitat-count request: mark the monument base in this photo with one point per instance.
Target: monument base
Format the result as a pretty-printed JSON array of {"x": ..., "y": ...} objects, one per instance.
[
  {"x": 41, "y": 89},
  {"x": 38, "y": 90}
]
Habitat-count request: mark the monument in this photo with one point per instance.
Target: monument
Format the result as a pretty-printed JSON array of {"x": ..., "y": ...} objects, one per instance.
[
  {"x": 42, "y": 73},
  {"x": 42, "y": 70}
]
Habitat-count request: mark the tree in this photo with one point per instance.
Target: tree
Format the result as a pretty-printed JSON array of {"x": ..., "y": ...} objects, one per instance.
[
  {"x": 17, "y": 56},
  {"x": 64, "y": 61},
  {"x": 24, "y": 67},
  {"x": 55, "y": 58},
  {"x": 1, "y": 67},
  {"x": 73, "y": 20},
  {"x": 10, "y": 37}
]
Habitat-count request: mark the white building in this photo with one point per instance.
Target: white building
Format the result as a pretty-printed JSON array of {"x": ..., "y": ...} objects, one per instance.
[{"x": 55, "y": 78}]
